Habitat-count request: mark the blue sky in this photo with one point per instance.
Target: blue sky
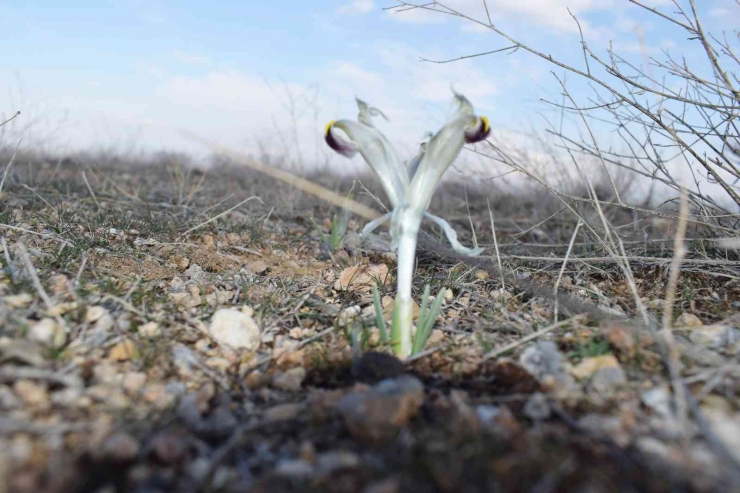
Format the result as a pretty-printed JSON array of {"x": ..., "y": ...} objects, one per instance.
[{"x": 126, "y": 74}]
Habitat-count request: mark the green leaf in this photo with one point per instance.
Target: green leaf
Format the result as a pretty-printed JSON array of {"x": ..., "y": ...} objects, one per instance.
[{"x": 379, "y": 321}]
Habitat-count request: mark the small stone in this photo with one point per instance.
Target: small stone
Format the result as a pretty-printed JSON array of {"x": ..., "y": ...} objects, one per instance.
[
  {"x": 659, "y": 400},
  {"x": 449, "y": 296},
  {"x": 33, "y": 395},
  {"x": 158, "y": 395},
  {"x": 62, "y": 308},
  {"x": 235, "y": 329},
  {"x": 290, "y": 380},
  {"x": 18, "y": 300},
  {"x": 328, "y": 462},
  {"x": 546, "y": 364},
  {"x": 362, "y": 277},
  {"x": 257, "y": 266},
  {"x": 104, "y": 323},
  {"x": 621, "y": 339},
  {"x": 150, "y": 329},
  {"x": 348, "y": 315},
  {"x": 134, "y": 381},
  {"x": 378, "y": 413},
  {"x": 284, "y": 412},
  {"x": 58, "y": 283},
  {"x": 120, "y": 448},
  {"x": 726, "y": 428},
  {"x": 374, "y": 367},
  {"x": 94, "y": 313},
  {"x": 169, "y": 448},
  {"x": 481, "y": 275},
  {"x": 537, "y": 408},
  {"x": 604, "y": 371},
  {"x": 294, "y": 468},
  {"x": 8, "y": 400},
  {"x": 688, "y": 320},
  {"x": 48, "y": 333},
  {"x": 221, "y": 364},
  {"x": 208, "y": 242},
  {"x": 715, "y": 336},
  {"x": 124, "y": 351},
  {"x": 307, "y": 452},
  {"x": 390, "y": 485}
]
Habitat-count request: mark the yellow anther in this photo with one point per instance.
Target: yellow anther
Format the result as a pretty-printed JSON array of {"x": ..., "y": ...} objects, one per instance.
[
  {"x": 486, "y": 125},
  {"x": 328, "y": 127}
]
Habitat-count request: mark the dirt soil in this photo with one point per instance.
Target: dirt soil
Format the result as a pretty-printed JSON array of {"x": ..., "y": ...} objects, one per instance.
[{"x": 147, "y": 347}]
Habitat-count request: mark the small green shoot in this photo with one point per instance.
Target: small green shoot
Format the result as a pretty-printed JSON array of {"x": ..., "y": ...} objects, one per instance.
[
  {"x": 427, "y": 317},
  {"x": 379, "y": 321},
  {"x": 338, "y": 226}
]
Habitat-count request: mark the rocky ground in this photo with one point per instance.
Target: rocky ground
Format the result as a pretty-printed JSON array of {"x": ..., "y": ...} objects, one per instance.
[{"x": 150, "y": 343}]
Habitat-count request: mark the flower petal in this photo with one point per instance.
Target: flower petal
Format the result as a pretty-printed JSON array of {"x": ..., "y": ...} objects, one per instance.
[
  {"x": 413, "y": 164},
  {"x": 374, "y": 147},
  {"x": 452, "y": 237},
  {"x": 343, "y": 147},
  {"x": 442, "y": 150},
  {"x": 480, "y": 131},
  {"x": 367, "y": 112}
]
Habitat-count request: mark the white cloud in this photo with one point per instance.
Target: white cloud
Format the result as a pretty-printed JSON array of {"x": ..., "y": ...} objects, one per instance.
[
  {"x": 189, "y": 58},
  {"x": 719, "y": 12},
  {"x": 357, "y": 7},
  {"x": 352, "y": 71},
  {"x": 543, "y": 12}
]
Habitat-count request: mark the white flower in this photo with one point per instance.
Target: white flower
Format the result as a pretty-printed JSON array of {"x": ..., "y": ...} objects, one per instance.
[
  {"x": 412, "y": 184},
  {"x": 409, "y": 188}
]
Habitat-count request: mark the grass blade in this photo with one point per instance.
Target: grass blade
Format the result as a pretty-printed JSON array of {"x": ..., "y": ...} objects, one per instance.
[{"x": 379, "y": 321}]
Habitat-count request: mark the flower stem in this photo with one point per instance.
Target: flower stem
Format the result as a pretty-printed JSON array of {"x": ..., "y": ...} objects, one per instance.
[{"x": 407, "y": 229}]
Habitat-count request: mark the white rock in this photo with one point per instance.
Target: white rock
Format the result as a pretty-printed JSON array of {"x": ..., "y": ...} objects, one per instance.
[
  {"x": 150, "y": 329},
  {"x": 49, "y": 333},
  {"x": 18, "y": 300},
  {"x": 235, "y": 329},
  {"x": 94, "y": 313}
]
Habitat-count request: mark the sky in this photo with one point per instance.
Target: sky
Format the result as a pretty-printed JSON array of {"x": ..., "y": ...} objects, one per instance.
[{"x": 264, "y": 77}]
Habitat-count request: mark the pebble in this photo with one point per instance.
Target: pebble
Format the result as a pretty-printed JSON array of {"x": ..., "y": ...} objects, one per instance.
[
  {"x": 361, "y": 277},
  {"x": 604, "y": 371},
  {"x": 168, "y": 448},
  {"x": 8, "y": 400},
  {"x": 688, "y": 320},
  {"x": 150, "y": 329},
  {"x": 659, "y": 400},
  {"x": 290, "y": 380},
  {"x": 537, "y": 408},
  {"x": 94, "y": 313},
  {"x": 328, "y": 462},
  {"x": 374, "y": 366},
  {"x": 134, "y": 381},
  {"x": 235, "y": 329},
  {"x": 390, "y": 485},
  {"x": 294, "y": 468},
  {"x": 544, "y": 361},
  {"x": 62, "y": 308},
  {"x": 49, "y": 333},
  {"x": 715, "y": 336},
  {"x": 727, "y": 429},
  {"x": 120, "y": 447},
  {"x": 284, "y": 412},
  {"x": 32, "y": 394},
  {"x": 124, "y": 351},
  {"x": 18, "y": 300},
  {"x": 378, "y": 413}
]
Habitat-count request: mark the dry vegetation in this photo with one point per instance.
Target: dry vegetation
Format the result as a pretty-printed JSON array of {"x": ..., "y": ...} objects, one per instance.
[{"x": 113, "y": 380}]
